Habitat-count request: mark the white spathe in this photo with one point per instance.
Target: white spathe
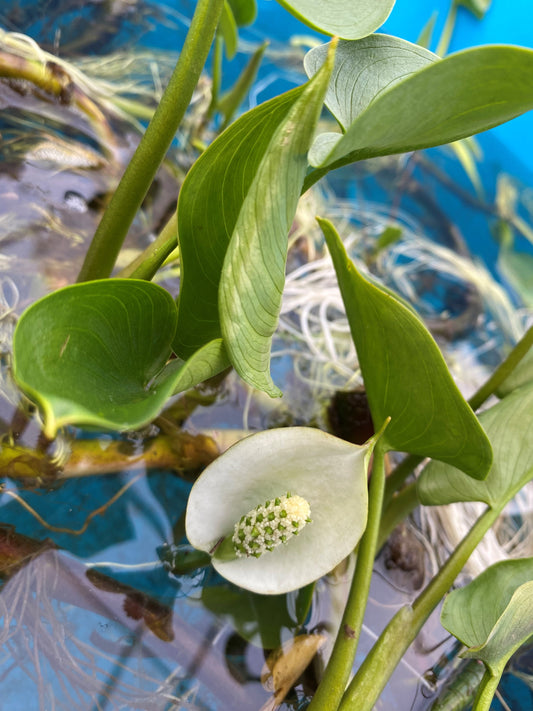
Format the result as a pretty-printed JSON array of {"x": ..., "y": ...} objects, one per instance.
[{"x": 328, "y": 472}]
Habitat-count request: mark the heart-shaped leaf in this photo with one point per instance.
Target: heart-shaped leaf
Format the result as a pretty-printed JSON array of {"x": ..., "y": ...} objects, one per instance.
[
  {"x": 449, "y": 99},
  {"x": 405, "y": 375},
  {"x": 329, "y": 473},
  {"x": 509, "y": 426},
  {"x": 348, "y": 19},
  {"x": 365, "y": 69},
  {"x": 235, "y": 210},
  {"x": 493, "y": 615},
  {"x": 95, "y": 354}
]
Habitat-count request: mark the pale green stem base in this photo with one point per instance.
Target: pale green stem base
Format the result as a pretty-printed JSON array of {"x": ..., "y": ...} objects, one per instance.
[{"x": 332, "y": 686}]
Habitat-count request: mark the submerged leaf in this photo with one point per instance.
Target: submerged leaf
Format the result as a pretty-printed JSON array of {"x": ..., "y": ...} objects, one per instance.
[
  {"x": 449, "y": 99},
  {"x": 262, "y": 620},
  {"x": 349, "y": 19},
  {"x": 95, "y": 353},
  {"x": 329, "y": 473},
  {"x": 405, "y": 375},
  {"x": 235, "y": 210},
  {"x": 493, "y": 615},
  {"x": 509, "y": 426}
]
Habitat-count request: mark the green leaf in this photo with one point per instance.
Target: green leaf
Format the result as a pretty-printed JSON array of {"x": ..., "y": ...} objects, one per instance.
[
  {"x": 228, "y": 29},
  {"x": 493, "y": 615},
  {"x": 509, "y": 426},
  {"x": 405, "y": 375},
  {"x": 365, "y": 69},
  {"x": 329, "y": 473},
  {"x": 448, "y": 99},
  {"x": 478, "y": 7},
  {"x": 95, "y": 354},
  {"x": 348, "y": 19},
  {"x": 244, "y": 11},
  {"x": 235, "y": 210}
]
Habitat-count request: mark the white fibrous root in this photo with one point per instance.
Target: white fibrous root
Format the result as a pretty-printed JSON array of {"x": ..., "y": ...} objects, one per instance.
[{"x": 269, "y": 525}]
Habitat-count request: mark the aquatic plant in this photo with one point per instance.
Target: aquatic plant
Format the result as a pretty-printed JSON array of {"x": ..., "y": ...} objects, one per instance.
[{"x": 109, "y": 352}]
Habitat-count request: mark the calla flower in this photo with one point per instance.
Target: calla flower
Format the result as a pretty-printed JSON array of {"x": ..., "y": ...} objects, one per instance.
[{"x": 281, "y": 508}]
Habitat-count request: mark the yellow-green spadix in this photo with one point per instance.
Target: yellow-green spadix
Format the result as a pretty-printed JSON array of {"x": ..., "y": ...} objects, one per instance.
[{"x": 301, "y": 477}]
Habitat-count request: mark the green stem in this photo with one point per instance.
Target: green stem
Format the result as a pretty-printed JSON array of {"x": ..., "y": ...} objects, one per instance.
[
  {"x": 486, "y": 691},
  {"x": 154, "y": 145},
  {"x": 503, "y": 370},
  {"x": 373, "y": 675},
  {"x": 146, "y": 264},
  {"x": 333, "y": 684}
]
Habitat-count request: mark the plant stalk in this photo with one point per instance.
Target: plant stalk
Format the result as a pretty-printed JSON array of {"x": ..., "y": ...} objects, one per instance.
[
  {"x": 139, "y": 174},
  {"x": 333, "y": 684},
  {"x": 503, "y": 370},
  {"x": 373, "y": 675},
  {"x": 148, "y": 262},
  {"x": 486, "y": 691}
]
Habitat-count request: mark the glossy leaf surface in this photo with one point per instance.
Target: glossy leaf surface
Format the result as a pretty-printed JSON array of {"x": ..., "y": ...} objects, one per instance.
[
  {"x": 235, "y": 209},
  {"x": 95, "y": 354},
  {"x": 493, "y": 615},
  {"x": 449, "y": 99},
  {"x": 509, "y": 426},
  {"x": 328, "y": 472},
  {"x": 405, "y": 375},
  {"x": 348, "y": 19}
]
